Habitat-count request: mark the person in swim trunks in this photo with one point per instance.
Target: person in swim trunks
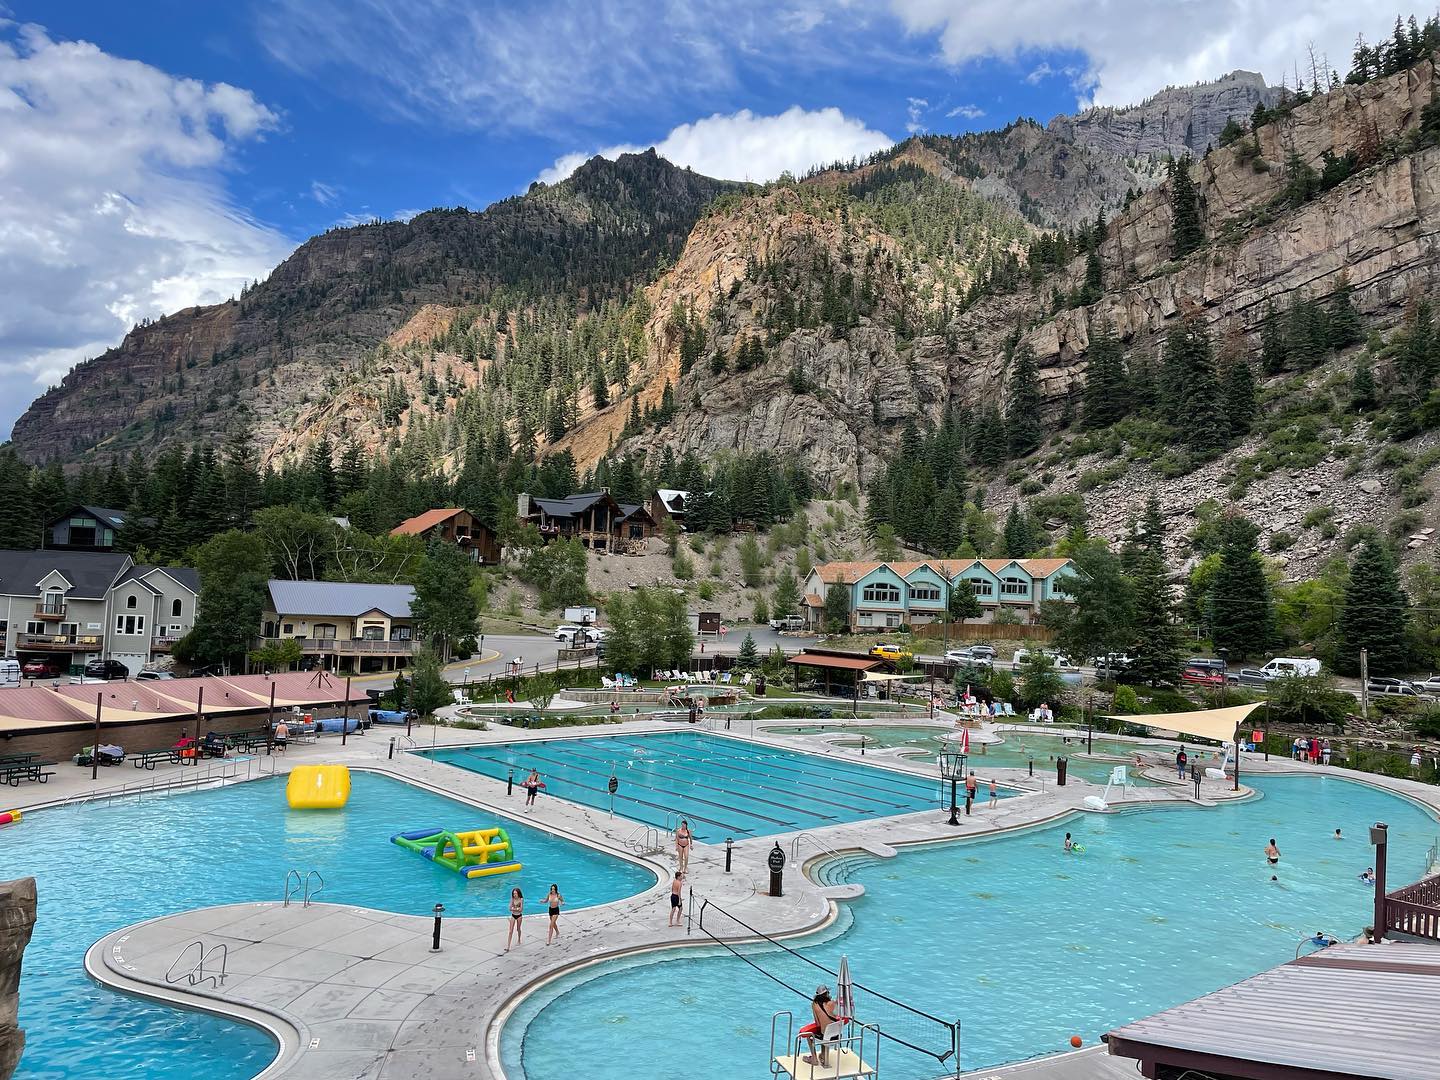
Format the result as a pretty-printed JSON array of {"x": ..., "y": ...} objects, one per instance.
[
  {"x": 676, "y": 888},
  {"x": 1272, "y": 853},
  {"x": 823, "y": 1016},
  {"x": 532, "y": 788}
]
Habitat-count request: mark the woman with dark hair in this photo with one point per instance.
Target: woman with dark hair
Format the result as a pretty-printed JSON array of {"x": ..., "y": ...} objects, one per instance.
[
  {"x": 683, "y": 839},
  {"x": 517, "y": 912},
  {"x": 553, "y": 900}
]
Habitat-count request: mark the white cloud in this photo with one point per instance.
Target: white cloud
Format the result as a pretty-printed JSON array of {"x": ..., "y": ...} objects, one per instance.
[
  {"x": 112, "y": 209},
  {"x": 1042, "y": 71},
  {"x": 914, "y": 109},
  {"x": 1136, "y": 47},
  {"x": 968, "y": 112},
  {"x": 496, "y": 64},
  {"x": 323, "y": 193},
  {"x": 406, "y": 215},
  {"x": 743, "y": 146}
]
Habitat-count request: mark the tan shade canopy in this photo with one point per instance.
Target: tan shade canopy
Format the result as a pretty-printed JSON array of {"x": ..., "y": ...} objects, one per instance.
[{"x": 1217, "y": 724}]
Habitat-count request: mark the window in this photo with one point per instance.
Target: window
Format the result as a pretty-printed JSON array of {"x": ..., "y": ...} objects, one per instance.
[
  {"x": 176, "y": 629},
  {"x": 268, "y": 630},
  {"x": 69, "y": 630},
  {"x": 130, "y": 624},
  {"x": 866, "y": 619},
  {"x": 983, "y": 587},
  {"x": 881, "y": 594},
  {"x": 175, "y": 606},
  {"x": 54, "y": 602},
  {"x": 1014, "y": 586},
  {"x": 130, "y": 602},
  {"x": 34, "y": 627},
  {"x": 400, "y": 633},
  {"x": 288, "y": 628},
  {"x": 892, "y": 620},
  {"x": 325, "y": 631},
  {"x": 925, "y": 593},
  {"x": 372, "y": 632}
]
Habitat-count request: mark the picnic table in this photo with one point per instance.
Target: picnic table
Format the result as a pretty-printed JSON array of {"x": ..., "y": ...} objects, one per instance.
[
  {"x": 13, "y": 772},
  {"x": 248, "y": 741},
  {"x": 147, "y": 759}
]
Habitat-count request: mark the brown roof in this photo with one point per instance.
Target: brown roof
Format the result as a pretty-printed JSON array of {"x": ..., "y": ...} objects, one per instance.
[
  {"x": 811, "y": 600},
  {"x": 1043, "y": 568},
  {"x": 843, "y": 663},
  {"x": 846, "y": 572},
  {"x": 425, "y": 522},
  {"x": 851, "y": 572}
]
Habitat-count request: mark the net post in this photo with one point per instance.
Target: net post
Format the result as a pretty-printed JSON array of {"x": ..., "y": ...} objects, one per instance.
[{"x": 955, "y": 1044}]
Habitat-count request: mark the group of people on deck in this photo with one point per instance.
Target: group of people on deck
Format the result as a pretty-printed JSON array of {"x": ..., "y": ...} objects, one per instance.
[{"x": 1314, "y": 750}]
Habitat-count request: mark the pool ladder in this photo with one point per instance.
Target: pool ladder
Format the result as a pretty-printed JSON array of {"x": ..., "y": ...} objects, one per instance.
[
  {"x": 297, "y": 887},
  {"x": 198, "y": 973}
]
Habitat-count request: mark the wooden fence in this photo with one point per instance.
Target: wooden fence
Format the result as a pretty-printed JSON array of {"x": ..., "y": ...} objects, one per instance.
[
  {"x": 1415, "y": 909},
  {"x": 985, "y": 632}
]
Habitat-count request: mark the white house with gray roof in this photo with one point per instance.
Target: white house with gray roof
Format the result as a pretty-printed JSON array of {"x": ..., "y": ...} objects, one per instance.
[
  {"x": 347, "y": 626},
  {"x": 70, "y": 607}
]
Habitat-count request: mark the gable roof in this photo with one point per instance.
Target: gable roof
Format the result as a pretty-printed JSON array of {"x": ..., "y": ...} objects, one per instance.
[
  {"x": 185, "y": 576},
  {"x": 668, "y": 496},
  {"x": 572, "y": 505},
  {"x": 339, "y": 599},
  {"x": 634, "y": 510},
  {"x": 113, "y": 518},
  {"x": 851, "y": 572},
  {"x": 425, "y": 522},
  {"x": 1043, "y": 568},
  {"x": 90, "y": 573}
]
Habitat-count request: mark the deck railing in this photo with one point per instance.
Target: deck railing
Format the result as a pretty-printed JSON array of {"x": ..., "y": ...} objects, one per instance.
[{"x": 1415, "y": 909}]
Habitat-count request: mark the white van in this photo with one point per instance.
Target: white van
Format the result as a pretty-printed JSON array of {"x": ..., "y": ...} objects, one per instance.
[
  {"x": 1291, "y": 665},
  {"x": 9, "y": 670}
]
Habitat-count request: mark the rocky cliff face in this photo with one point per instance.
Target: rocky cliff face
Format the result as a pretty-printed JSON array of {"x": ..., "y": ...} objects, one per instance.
[
  {"x": 17, "y": 920},
  {"x": 1176, "y": 121}
]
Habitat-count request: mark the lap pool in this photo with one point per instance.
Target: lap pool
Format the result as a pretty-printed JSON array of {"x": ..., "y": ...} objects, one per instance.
[
  {"x": 722, "y": 786},
  {"x": 101, "y": 866},
  {"x": 1021, "y": 943}
]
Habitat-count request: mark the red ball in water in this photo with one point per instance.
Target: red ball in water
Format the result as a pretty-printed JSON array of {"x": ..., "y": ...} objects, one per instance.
[{"x": 1076, "y": 1041}]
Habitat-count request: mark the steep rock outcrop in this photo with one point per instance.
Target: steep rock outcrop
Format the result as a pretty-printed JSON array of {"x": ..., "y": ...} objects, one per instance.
[
  {"x": 1176, "y": 121},
  {"x": 17, "y": 921}
]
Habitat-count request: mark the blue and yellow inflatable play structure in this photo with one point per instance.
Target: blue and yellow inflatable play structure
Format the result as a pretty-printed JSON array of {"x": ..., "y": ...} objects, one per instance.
[{"x": 475, "y": 853}]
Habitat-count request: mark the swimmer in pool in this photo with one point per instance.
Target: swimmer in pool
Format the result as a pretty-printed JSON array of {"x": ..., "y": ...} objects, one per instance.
[
  {"x": 1272, "y": 853},
  {"x": 1368, "y": 877},
  {"x": 1337, "y": 834},
  {"x": 1069, "y": 844}
]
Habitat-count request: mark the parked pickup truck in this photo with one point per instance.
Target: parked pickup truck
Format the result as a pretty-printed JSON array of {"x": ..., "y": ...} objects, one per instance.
[{"x": 787, "y": 622}]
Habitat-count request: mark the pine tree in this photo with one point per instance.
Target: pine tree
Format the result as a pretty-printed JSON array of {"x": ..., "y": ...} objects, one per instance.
[
  {"x": 1414, "y": 361},
  {"x": 1374, "y": 615},
  {"x": 1017, "y": 534},
  {"x": 1155, "y": 654},
  {"x": 1272, "y": 341},
  {"x": 1022, "y": 410},
  {"x": 1105, "y": 397},
  {"x": 1191, "y": 387},
  {"x": 1362, "y": 385},
  {"x": 1187, "y": 232},
  {"x": 1345, "y": 329},
  {"x": 1239, "y": 605},
  {"x": 599, "y": 390},
  {"x": 1094, "y": 276},
  {"x": 1239, "y": 394}
]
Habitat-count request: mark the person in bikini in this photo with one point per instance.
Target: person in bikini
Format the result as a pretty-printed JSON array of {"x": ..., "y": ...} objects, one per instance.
[
  {"x": 683, "y": 839},
  {"x": 823, "y": 1013},
  {"x": 553, "y": 900},
  {"x": 517, "y": 912}
]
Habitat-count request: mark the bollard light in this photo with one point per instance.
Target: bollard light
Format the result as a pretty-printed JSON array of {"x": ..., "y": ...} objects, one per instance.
[
  {"x": 729, "y": 850},
  {"x": 435, "y": 938}
]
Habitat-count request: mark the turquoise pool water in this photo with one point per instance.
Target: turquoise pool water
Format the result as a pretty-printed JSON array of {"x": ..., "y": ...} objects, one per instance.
[
  {"x": 1015, "y": 752},
  {"x": 723, "y": 787},
  {"x": 1023, "y": 944},
  {"x": 99, "y": 867}
]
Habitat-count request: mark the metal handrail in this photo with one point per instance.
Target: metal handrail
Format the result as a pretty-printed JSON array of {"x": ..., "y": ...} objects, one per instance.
[
  {"x": 196, "y": 974},
  {"x": 825, "y": 849},
  {"x": 299, "y": 885},
  {"x": 319, "y": 888}
]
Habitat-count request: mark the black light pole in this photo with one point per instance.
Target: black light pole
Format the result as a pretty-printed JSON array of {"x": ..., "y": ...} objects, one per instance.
[
  {"x": 435, "y": 936},
  {"x": 345, "y": 719},
  {"x": 1089, "y": 725},
  {"x": 95, "y": 750},
  {"x": 1379, "y": 836}
]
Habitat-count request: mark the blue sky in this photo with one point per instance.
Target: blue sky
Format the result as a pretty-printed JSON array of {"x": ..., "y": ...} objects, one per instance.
[{"x": 162, "y": 152}]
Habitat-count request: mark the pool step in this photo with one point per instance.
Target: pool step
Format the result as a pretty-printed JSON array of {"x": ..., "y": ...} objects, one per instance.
[
  {"x": 850, "y": 890},
  {"x": 879, "y": 850}
]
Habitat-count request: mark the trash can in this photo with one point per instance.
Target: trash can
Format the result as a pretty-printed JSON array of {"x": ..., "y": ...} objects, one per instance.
[{"x": 1060, "y": 764}]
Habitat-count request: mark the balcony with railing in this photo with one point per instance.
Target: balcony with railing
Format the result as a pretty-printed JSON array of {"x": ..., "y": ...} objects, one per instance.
[
  {"x": 351, "y": 646},
  {"x": 60, "y": 642},
  {"x": 1415, "y": 910},
  {"x": 50, "y": 609},
  {"x": 164, "y": 643}
]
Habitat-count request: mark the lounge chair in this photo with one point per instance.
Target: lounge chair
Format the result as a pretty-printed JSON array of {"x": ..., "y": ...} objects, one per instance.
[
  {"x": 747, "y": 679},
  {"x": 725, "y": 678},
  {"x": 607, "y": 682}
]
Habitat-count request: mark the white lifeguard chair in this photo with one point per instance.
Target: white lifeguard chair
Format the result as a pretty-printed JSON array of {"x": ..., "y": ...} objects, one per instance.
[
  {"x": 1119, "y": 776},
  {"x": 846, "y": 1045}
]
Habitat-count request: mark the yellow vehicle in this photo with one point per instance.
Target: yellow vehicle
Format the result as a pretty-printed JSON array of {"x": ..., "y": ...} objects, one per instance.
[{"x": 891, "y": 652}]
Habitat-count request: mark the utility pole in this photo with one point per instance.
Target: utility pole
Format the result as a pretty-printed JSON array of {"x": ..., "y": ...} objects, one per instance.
[{"x": 1365, "y": 683}]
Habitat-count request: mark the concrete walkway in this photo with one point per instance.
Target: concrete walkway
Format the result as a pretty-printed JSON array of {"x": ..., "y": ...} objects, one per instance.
[{"x": 350, "y": 992}]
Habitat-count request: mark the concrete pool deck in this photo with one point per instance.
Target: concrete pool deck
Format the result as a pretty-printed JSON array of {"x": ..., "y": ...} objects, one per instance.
[{"x": 352, "y": 992}]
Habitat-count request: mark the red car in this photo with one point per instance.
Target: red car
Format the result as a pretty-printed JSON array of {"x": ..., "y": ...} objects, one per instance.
[
  {"x": 1202, "y": 676},
  {"x": 41, "y": 669}
]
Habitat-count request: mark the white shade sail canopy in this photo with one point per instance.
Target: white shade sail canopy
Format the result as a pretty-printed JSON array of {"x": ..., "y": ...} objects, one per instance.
[{"x": 1218, "y": 724}]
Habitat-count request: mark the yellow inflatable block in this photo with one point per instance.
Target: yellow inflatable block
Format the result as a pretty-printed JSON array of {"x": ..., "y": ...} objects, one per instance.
[{"x": 318, "y": 787}]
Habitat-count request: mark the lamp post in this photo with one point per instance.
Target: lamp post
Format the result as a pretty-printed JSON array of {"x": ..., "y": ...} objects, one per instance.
[
  {"x": 435, "y": 935},
  {"x": 952, "y": 768},
  {"x": 1379, "y": 836}
]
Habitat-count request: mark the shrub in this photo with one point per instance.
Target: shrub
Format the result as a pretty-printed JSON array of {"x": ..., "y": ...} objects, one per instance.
[
  {"x": 1281, "y": 541},
  {"x": 1317, "y": 516},
  {"x": 706, "y": 590},
  {"x": 1126, "y": 700}
]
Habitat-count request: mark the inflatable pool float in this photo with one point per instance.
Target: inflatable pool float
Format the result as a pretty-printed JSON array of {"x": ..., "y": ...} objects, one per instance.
[
  {"x": 318, "y": 787},
  {"x": 473, "y": 853}
]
